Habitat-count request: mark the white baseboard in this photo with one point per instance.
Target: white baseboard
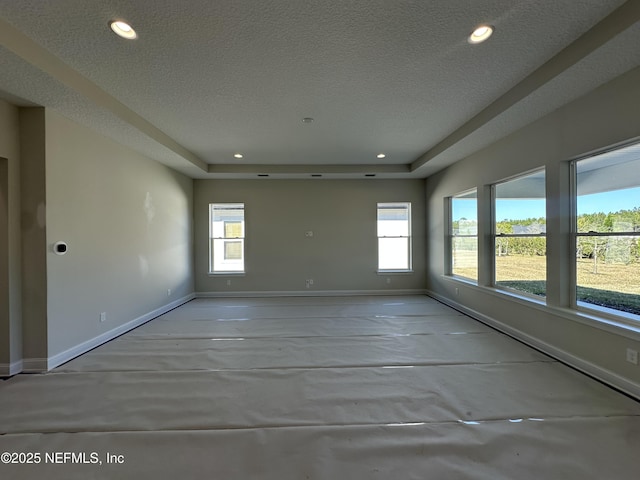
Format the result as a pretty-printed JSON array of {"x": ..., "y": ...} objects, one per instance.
[
  {"x": 36, "y": 365},
  {"x": 310, "y": 293},
  {"x": 606, "y": 376},
  {"x": 9, "y": 369}
]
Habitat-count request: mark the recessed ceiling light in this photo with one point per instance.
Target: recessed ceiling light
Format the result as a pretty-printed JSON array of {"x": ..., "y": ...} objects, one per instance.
[
  {"x": 381, "y": 155},
  {"x": 307, "y": 120},
  {"x": 123, "y": 29},
  {"x": 238, "y": 155},
  {"x": 480, "y": 34}
]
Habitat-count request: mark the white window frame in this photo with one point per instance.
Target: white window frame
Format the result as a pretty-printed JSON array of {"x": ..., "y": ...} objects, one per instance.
[
  {"x": 452, "y": 235},
  {"x": 226, "y": 239},
  {"x": 597, "y": 312},
  {"x": 407, "y": 205},
  {"x": 495, "y": 236}
]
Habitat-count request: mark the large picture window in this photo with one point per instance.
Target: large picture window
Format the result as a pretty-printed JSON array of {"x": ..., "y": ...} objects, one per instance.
[
  {"x": 394, "y": 236},
  {"x": 226, "y": 233},
  {"x": 608, "y": 230},
  {"x": 520, "y": 228},
  {"x": 464, "y": 234}
]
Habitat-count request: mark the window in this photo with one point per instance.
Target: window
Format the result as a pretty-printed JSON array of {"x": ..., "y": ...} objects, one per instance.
[
  {"x": 394, "y": 236},
  {"x": 608, "y": 230},
  {"x": 464, "y": 235},
  {"x": 520, "y": 228},
  {"x": 226, "y": 233}
]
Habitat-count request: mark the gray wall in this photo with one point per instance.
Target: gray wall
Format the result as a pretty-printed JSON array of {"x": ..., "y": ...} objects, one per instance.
[
  {"x": 10, "y": 285},
  {"x": 606, "y": 116},
  {"x": 5, "y": 329},
  {"x": 342, "y": 254},
  {"x": 33, "y": 231},
  {"x": 128, "y": 223}
]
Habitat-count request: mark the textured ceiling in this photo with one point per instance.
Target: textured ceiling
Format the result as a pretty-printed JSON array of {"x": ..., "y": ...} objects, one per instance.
[{"x": 206, "y": 79}]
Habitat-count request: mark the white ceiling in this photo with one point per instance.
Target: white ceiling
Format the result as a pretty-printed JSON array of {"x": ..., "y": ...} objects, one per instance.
[{"x": 208, "y": 78}]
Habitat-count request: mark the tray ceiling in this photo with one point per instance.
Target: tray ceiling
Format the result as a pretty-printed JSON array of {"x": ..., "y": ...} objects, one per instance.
[{"x": 208, "y": 79}]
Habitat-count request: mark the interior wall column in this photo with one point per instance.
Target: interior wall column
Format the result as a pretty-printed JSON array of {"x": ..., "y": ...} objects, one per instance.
[{"x": 34, "y": 238}]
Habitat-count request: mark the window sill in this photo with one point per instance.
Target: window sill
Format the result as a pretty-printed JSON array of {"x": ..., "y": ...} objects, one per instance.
[
  {"x": 458, "y": 278},
  {"x": 517, "y": 294},
  {"x": 620, "y": 324},
  {"x": 394, "y": 272},
  {"x": 226, "y": 274}
]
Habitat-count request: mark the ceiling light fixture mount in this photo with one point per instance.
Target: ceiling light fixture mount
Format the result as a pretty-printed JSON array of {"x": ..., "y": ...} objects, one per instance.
[
  {"x": 307, "y": 120},
  {"x": 480, "y": 34},
  {"x": 123, "y": 29},
  {"x": 380, "y": 155},
  {"x": 238, "y": 155}
]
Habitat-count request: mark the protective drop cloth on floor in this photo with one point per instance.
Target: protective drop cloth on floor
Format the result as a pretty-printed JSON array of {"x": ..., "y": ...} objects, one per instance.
[
  {"x": 113, "y": 401},
  {"x": 308, "y": 327},
  {"x": 314, "y": 352},
  {"x": 332, "y": 388},
  {"x": 591, "y": 448}
]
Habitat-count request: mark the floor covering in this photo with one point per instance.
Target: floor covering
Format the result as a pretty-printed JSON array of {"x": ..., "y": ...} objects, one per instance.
[{"x": 316, "y": 388}]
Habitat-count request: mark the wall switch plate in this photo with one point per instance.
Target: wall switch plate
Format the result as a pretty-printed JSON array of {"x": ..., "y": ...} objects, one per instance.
[
  {"x": 168, "y": 292},
  {"x": 632, "y": 356},
  {"x": 103, "y": 316}
]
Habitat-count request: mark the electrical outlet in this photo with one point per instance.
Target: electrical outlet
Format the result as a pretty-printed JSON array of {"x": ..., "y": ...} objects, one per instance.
[
  {"x": 103, "y": 316},
  {"x": 228, "y": 283},
  {"x": 388, "y": 281},
  {"x": 632, "y": 356}
]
